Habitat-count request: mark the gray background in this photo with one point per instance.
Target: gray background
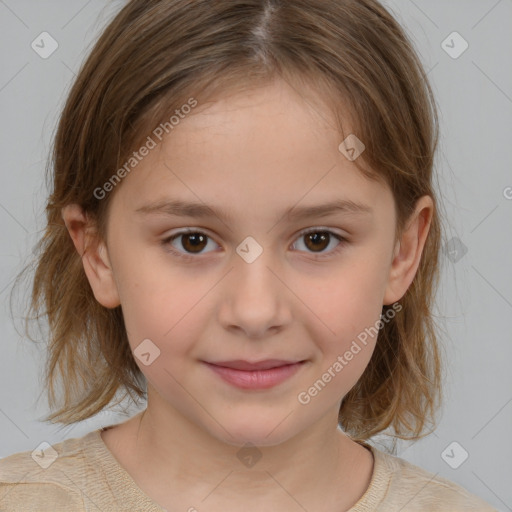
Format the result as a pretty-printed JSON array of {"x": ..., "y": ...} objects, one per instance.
[{"x": 474, "y": 304}]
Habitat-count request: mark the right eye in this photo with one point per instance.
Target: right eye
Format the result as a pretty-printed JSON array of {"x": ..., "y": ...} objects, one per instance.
[{"x": 193, "y": 242}]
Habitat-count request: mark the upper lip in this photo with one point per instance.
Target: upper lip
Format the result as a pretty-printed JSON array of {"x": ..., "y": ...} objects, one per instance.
[{"x": 239, "y": 364}]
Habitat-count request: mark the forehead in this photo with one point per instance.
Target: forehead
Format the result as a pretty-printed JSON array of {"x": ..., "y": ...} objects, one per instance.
[{"x": 262, "y": 147}]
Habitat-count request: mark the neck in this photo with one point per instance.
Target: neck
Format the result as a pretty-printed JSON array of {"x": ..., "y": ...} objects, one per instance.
[{"x": 181, "y": 466}]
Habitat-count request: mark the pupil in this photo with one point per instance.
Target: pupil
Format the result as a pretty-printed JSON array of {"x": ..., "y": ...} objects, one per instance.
[
  {"x": 318, "y": 237},
  {"x": 194, "y": 240}
]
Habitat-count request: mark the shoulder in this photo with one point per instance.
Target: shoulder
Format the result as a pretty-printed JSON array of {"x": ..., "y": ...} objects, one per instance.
[
  {"x": 411, "y": 488},
  {"x": 47, "y": 478}
]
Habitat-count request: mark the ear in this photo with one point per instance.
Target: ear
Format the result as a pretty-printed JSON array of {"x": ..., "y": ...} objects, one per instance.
[
  {"x": 408, "y": 251},
  {"x": 94, "y": 255}
]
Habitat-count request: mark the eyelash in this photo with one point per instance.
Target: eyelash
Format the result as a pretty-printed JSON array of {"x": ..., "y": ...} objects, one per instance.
[{"x": 166, "y": 243}]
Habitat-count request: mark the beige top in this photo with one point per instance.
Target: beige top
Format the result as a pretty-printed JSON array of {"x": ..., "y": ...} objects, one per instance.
[{"x": 85, "y": 476}]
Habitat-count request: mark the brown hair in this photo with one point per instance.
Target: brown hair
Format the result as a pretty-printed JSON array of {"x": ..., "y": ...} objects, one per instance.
[{"x": 154, "y": 56}]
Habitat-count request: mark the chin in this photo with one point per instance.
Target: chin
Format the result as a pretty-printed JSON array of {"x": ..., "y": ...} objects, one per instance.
[{"x": 257, "y": 433}]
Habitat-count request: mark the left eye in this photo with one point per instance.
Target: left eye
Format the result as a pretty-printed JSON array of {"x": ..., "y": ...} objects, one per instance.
[{"x": 316, "y": 241}]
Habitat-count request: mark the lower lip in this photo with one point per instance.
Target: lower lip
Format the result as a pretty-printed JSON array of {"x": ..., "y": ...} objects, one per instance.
[{"x": 257, "y": 379}]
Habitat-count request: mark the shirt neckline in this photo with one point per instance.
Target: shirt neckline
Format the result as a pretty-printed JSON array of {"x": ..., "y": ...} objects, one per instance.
[
  {"x": 127, "y": 493},
  {"x": 118, "y": 478},
  {"x": 379, "y": 482}
]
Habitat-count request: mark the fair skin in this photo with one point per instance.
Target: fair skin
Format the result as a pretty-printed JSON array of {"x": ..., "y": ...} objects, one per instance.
[{"x": 252, "y": 155}]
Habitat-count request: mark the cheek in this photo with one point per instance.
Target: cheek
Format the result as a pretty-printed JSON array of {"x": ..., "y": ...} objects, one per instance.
[
  {"x": 349, "y": 300},
  {"x": 346, "y": 337},
  {"x": 163, "y": 304},
  {"x": 347, "y": 308}
]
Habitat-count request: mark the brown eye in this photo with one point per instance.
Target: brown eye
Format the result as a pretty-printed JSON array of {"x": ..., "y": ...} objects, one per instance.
[
  {"x": 194, "y": 242},
  {"x": 317, "y": 241},
  {"x": 187, "y": 243}
]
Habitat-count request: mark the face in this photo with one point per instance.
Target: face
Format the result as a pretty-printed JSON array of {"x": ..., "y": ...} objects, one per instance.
[{"x": 245, "y": 280}]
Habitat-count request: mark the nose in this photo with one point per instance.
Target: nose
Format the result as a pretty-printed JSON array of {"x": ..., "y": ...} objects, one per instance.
[{"x": 255, "y": 300}]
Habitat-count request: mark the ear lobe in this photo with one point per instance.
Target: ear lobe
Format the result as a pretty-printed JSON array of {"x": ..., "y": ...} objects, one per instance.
[
  {"x": 94, "y": 254},
  {"x": 408, "y": 251}
]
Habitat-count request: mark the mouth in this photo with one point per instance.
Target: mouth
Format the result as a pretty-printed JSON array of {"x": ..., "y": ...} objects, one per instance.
[
  {"x": 267, "y": 364},
  {"x": 258, "y": 375}
]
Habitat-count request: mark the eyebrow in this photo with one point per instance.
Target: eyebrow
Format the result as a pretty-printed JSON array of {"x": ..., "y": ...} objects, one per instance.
[{"x": 176, "y": 207}]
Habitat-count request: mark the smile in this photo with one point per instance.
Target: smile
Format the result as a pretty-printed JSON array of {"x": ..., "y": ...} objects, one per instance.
[{"x": 256, "y": 379}]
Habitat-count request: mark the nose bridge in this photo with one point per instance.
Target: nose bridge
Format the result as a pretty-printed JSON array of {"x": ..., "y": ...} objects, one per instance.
[
  {"x": 252, "y": 268},
  {"x": 256, "y": 299}
]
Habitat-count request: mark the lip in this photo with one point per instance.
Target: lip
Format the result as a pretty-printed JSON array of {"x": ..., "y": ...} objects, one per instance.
[
  {"x": 260, "y": 375},
  {"x": 240, "y": 364}
]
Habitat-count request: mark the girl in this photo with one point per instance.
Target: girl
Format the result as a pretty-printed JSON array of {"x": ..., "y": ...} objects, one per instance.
[{"x": 243, "y": 230}]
